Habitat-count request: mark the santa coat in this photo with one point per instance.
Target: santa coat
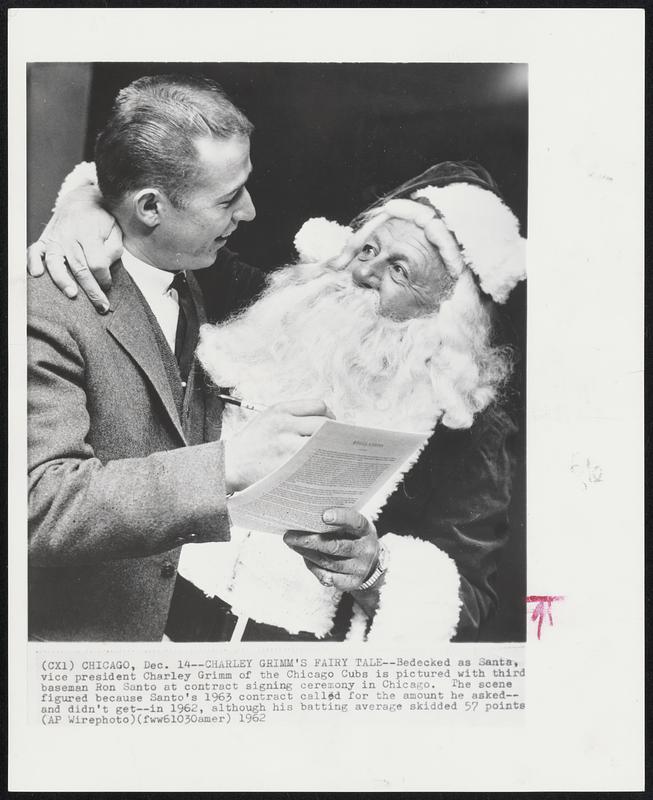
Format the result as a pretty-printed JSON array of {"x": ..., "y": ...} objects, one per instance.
[{"x": 442, "y": 528}]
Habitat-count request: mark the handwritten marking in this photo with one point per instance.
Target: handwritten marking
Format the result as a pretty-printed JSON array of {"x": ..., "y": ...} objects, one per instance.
[
  {"x": 587, "y": 472},
  {"x": 601, "y": 176},
  {"x": 542, "y": 608}
]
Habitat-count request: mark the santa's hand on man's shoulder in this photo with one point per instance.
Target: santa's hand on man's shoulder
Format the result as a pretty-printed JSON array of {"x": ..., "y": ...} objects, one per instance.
[
  {"x": 78, "y": 246},
  {"x": 345, "y": 556}
]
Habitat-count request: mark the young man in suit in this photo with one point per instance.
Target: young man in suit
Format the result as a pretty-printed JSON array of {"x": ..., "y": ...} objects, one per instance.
[{"x": 125, "y": 465}]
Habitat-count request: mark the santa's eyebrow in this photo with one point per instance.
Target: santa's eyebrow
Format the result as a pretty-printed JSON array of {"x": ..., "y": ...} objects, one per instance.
[
  {"x": 405, "y": 259},
  {"x": 401, "y": 252}
]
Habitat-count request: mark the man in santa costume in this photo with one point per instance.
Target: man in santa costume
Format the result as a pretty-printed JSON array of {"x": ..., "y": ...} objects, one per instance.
[{"x": 391, "y": 322}]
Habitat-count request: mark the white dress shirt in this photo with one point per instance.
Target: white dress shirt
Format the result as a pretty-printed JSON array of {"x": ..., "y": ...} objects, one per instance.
[{"x": 154, "y": 284}]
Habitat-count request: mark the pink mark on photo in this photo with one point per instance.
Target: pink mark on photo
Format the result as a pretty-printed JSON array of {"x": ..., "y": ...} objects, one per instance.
[{"x": 542, "y": 608}]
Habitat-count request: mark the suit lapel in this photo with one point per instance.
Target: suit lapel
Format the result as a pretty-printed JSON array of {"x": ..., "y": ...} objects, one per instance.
[{"x": 130, "y": 327}]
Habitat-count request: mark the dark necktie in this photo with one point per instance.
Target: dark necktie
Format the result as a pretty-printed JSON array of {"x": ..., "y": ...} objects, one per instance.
[{"x": 186, "y": 326}]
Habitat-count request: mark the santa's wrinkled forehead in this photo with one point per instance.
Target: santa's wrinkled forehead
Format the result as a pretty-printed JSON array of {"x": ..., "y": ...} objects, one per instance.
[
  {"x": 396, "y": 259},
  {"x": 402, "y": 239}
]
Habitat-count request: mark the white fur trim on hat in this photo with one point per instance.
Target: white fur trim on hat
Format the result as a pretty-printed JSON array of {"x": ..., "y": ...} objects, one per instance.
[
  {"x": 84, "y": 174},
  {"x": 320, "y": 239},
  {"x": 470, "y": 226},
  {"x": 419, "y": 600},
  {"x": 487, "y": 232},
  {"x": 434, "y": 229}
]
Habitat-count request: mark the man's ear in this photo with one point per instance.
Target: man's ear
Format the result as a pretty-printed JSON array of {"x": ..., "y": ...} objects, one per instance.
[{"x": 148, "y": 205}]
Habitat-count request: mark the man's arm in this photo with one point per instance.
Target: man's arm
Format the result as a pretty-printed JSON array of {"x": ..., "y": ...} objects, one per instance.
[
  {"x": 82, "y": 240},
  {"x": 81, "y": 510}
]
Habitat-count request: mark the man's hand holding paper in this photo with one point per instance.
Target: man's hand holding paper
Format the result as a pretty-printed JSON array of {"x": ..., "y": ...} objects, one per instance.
[{"x": 284, "y": 427}]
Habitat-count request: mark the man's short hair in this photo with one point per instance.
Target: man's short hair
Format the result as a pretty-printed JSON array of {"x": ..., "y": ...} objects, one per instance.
[{"x": 149, "y": 139}]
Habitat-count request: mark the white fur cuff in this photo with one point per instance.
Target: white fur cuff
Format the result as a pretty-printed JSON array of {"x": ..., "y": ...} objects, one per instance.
[
  {"x": 419, "y": 600},
  {"x": 83, "y": 174}
]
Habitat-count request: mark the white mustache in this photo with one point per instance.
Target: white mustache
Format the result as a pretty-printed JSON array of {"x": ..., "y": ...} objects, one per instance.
[{"x": 323, "y": 337}]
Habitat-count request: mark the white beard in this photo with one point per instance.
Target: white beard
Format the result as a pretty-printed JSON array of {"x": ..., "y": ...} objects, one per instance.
[{"x": 313, "y": 334}]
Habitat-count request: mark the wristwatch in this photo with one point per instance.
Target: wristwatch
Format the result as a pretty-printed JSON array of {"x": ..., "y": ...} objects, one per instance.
[{"x": 381, "y": 567}]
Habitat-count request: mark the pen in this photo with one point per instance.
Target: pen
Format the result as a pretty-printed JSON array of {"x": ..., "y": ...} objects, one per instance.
[{"x": 238, "y": 401}]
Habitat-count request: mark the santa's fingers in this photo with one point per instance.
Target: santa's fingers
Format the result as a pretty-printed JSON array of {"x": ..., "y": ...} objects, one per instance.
[
  {"x": 327, "y": 544},
  {"x": 336, "y": 580},
  {"x": 345, "y": 566},
  {"x": 113, "y": 243},
  {"x": 35, "y": 253},
  {"x": 55, "y": 261},
  {"x": 349, "y": 521},
  {"x": 85, "y": 278},
  {"x": 305, "y": 426},
  {"x": 357, "y": 240},
  {"x": 350, "y": 556}
]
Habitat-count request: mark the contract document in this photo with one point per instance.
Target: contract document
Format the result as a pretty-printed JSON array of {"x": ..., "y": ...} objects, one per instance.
[{"x": 339, "y": 466}]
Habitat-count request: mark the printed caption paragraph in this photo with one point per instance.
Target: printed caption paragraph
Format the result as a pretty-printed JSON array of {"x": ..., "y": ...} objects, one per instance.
[{"x": 218, "y": 690}]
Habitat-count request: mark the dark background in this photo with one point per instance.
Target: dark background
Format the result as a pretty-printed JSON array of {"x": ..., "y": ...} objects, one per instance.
[{"x": 329, "y": 139}]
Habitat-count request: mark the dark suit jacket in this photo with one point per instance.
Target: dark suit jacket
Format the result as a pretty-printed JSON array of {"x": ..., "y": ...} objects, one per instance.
[
  {"x": 119, "y": 477},
  {"x": 229, "y": 286},
  {"x": 457, "y": 496}
]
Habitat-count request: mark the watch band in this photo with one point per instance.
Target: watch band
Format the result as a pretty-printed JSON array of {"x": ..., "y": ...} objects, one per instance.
[{"x": 379, "y": 570}]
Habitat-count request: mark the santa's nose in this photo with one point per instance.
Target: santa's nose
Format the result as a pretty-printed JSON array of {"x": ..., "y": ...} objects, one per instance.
[{"x": 365, "y": 274}]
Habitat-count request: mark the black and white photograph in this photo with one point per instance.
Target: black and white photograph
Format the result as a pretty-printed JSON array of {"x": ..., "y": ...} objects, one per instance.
[
  {"x": 325, "y": 343},
  {"x": 325, "y": 241}
]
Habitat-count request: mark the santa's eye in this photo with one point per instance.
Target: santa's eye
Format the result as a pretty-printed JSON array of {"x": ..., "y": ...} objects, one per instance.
[
  {"x": 367, "y": 251},
  {"x": 398, "y": 271}
]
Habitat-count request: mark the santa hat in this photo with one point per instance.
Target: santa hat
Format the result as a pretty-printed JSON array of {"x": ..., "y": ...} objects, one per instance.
[{"x": 469, "y": 225}]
